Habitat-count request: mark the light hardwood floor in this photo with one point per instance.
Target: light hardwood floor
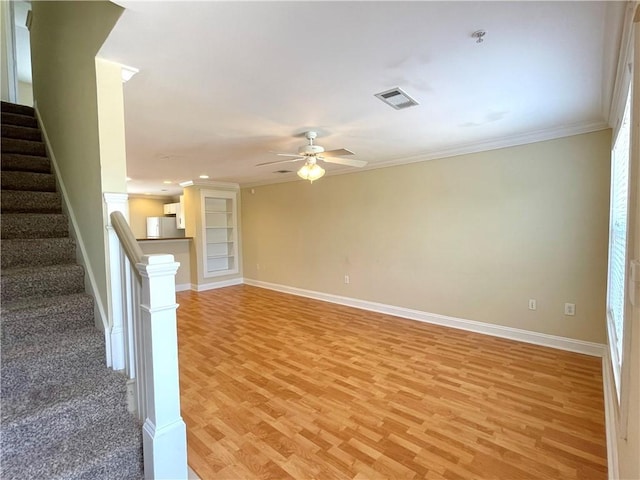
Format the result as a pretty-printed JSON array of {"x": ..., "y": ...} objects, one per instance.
[{"x": 276, "y": 386}]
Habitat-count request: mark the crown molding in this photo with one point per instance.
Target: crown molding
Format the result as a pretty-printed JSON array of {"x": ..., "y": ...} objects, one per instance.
[
  {"x": 209, "y": 184},
  {"x": 465, "y": 149}
]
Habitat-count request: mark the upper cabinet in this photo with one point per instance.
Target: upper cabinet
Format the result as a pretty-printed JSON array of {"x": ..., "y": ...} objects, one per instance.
[
  {"x": 176, "y": 209},
  {"x": 171, "y": 208}
]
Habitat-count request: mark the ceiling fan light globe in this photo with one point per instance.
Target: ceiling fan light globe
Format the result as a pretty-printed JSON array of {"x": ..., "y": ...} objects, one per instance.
[{"x": 311, "y": 172}]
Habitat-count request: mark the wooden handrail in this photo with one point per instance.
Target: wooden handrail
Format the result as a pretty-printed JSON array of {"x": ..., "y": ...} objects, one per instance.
[{"x": 128, "y": 241}]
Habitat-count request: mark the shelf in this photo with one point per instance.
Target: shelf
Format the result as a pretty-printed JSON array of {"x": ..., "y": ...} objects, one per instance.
[
  {"x": 219, "y": 242},
  {"x": 218, "y": 269}
]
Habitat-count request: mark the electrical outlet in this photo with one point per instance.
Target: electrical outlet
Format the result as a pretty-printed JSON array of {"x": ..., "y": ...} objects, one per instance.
[
  {"x": 532, "y": 304},
  {"x": 346, "y": 279},
  {"x": 570, "y": 309}
]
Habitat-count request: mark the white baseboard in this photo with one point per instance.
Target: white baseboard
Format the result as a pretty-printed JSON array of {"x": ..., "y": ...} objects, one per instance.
[
  {"x": 183, "y": 287},
  {"x": 611, "y": 416},
  {"x": 102, "y": 320},
  {"x": 213, "y": 285},
  {"x": 562, "y": 343}
]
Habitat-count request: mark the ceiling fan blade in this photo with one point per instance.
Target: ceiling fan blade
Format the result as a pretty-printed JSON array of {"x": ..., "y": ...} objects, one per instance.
[
  {"x": 286, "y": 154},
  {"x": 352, "y": 162},
  {"x": 280, "y": 161},
  {"x": 337, "y": 153}
]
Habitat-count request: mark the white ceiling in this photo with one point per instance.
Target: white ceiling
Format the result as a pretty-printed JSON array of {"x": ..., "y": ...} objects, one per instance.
[{"x": 223, "y": 84}]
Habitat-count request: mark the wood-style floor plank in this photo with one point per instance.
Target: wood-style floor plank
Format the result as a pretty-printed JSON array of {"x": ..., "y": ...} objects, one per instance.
[{"x": 276, "y": 386}]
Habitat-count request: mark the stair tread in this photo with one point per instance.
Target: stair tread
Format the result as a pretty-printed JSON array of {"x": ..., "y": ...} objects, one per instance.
[
  {"x": 37, "y": 252},
  {"x": 21, "y": 141},
  {"x": 87, "y": 339},
  {"x": 22, "y": 132},
  {"x": 109, "y": 385},
  {"x": 9, "y": 118},
  {"x": 34, "y": 225},
  {"x": 21, "y": 201},
  {"x": 28, "y": 181},
  {"x": 32, "y": 271},
  {"x": 41, "y": 281},
  {"x": 17, "y": 109},
  {"x": 13, "y": 242},
  {"x": 38, "y": 317},
  {"x": 89, "y": 447},
  {"x": 27, "y": 306},
  {"x": 59, "y": 358},
  {"x": 27, "y": 163}
]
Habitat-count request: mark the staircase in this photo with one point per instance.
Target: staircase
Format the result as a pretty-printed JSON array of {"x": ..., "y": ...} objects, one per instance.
[{"x": 64, "y": 413}]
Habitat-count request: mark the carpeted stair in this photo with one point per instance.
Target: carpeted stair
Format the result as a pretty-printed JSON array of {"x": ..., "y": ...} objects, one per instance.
[{"x": 64, "y": 413}]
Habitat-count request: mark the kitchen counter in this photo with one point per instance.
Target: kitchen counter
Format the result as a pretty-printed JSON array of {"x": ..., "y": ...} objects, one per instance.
[{"x": 180, "y": 248}]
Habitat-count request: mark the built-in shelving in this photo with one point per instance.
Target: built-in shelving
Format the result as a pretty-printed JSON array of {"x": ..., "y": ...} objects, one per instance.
[{"x": 220, "y": 235}]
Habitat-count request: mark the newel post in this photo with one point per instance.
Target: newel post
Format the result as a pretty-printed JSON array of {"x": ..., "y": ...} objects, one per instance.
[
  {"x": 164, "y": 431},
  {"x": 114, "y": 331}
]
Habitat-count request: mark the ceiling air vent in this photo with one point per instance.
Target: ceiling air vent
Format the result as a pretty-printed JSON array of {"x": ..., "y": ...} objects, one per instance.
[
  {"x": 396, "y": 98},
  {"x": 283, "y": 171}
]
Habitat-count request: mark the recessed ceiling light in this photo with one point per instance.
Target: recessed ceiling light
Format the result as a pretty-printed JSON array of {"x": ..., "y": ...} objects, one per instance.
[
  {"x": 147, "y": 193},
  {"x": 204, "y": 177},
  {"x": 167, "y": 182},
  {"x": 128, "y": 179}
]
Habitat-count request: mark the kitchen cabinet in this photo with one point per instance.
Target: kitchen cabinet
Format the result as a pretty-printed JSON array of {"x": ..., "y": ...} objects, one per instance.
[
  {"x": 171, "y": 208},
  {"x": 177, "y": 209}
]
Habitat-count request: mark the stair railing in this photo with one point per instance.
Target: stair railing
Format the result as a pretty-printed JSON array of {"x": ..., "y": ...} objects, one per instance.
[{"x": 151, "y": 352}]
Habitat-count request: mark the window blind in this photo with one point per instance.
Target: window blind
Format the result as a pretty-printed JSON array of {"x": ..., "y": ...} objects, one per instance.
[{"x": 618, "y": 233}]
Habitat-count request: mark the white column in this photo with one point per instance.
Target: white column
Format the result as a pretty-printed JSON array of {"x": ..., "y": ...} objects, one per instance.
[
  {"x": 115, "y": 287},
  {"x": 164, "y": 431}
]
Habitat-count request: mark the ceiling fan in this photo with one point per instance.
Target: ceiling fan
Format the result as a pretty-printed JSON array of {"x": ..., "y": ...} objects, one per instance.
[{"x": 311, "y": 154}]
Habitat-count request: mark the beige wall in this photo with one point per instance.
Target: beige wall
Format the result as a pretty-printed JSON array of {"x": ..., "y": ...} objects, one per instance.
[
  {"x": 180, "y": 249},
  {"x": 142, "y": 207},
  {"x": 65, "y": 37},
  {"x": 113, "y": 156},
  {"x": 473, "y": 236},
  {"x": 25, "y": 93}
]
